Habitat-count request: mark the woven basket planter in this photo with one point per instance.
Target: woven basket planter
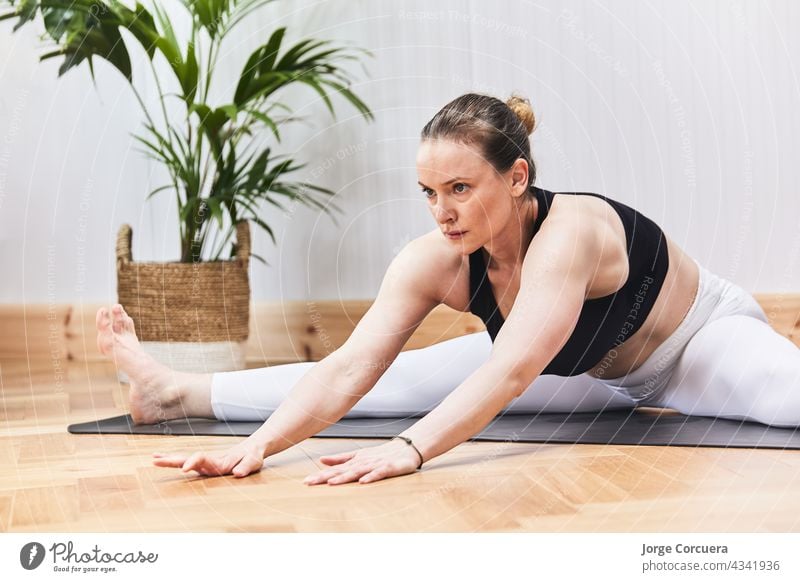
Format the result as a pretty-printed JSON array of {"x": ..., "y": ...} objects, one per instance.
[{"x": 193, "y": 317}]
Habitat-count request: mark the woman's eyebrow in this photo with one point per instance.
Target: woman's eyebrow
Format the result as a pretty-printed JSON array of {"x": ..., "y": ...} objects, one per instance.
[{"x": 443, "y": 183}]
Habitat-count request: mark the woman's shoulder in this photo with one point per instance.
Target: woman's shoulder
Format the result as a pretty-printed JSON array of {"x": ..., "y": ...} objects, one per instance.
[
  {"x": 436, "y": 255},
  {"x": 598, "y": 225},
  {"x": 435, "y": 259},
  {"x": 587, "y": 211},
  {"x": 568, "y": 202}
]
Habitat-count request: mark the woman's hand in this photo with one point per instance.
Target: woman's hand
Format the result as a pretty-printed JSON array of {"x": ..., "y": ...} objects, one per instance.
[
  {"x": 240, "y": 460},
  {"x": 366, "y": 465}
]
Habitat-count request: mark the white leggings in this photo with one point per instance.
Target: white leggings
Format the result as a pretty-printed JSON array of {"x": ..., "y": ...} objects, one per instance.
[{"x": 723, "y": 360}]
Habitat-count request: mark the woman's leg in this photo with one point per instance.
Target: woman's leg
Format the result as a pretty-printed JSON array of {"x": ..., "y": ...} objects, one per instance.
[
  {"x": 737, "y": 367},
  {"x": 414, "y": 384}
]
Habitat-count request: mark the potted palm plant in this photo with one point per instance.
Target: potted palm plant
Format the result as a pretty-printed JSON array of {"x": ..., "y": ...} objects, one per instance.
[{"x": 195, "y": 311}]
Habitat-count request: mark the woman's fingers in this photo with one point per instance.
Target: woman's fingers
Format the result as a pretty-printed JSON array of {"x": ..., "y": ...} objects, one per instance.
[
  {"x": 321, "y": 477},
  {"x": 347, "y": 476},
  {"x": 247, "y": 465},
  {"x": 231, "y": 462},
  {"x": 194, "y": 461},
  {"x": 374, "y": 475},
  {"x": 337, "y": 459},
  {"x": 208, "y": 464},
  {"x": 338, "y": 474},
  {"x": 341, "y": 464},
  {"x": 239, "y": 461},
  {"x": 217, "y": 465},
  {"x": 175, "y": 461}
]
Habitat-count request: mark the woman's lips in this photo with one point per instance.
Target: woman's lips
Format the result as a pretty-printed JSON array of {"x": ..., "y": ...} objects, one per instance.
[{"x": 456, "y": 234}]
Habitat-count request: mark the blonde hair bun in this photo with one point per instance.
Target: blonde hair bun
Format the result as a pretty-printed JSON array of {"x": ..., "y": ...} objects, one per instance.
[{"x": 522, "y": 108}]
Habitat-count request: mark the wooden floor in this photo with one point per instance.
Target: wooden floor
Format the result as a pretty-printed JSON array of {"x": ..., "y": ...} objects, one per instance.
[{"x": 55, "y": 481}]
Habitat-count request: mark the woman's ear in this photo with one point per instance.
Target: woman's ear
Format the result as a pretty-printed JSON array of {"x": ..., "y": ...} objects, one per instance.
[{"x": 519, "y": 178}]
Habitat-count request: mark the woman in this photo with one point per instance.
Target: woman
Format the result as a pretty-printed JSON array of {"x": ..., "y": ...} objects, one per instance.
[{"x": 588, "y": 306}]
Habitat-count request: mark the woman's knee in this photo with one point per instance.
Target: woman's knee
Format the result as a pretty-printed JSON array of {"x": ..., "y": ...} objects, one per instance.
[
  {"x": 449, "y": 361},
  {"x": 777, "y": 402},
  {"x": 739, "y": 367},
  {"x": 733, "y": 334},
  {"x": 752, "y": 308}
]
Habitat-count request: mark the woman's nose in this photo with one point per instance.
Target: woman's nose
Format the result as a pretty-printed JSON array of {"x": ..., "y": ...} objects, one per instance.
[{"x": 442, "y": 214}]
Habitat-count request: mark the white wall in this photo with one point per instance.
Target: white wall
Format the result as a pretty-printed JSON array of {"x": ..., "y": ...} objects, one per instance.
[{"x": 685, "y": 110}]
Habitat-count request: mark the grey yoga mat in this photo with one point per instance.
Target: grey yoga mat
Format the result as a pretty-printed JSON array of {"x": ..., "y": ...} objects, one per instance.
[{"x": 618, "y": 427}]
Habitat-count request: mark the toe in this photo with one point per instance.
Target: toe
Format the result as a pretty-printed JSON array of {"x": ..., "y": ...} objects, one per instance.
[
  {"x": 102, "y": 329},
  {"x": 103, "y": 319},
  {"x": 129, "y": 324},
  {"x": 118, "y": 319},
  {"x": 123, "y": 321}
]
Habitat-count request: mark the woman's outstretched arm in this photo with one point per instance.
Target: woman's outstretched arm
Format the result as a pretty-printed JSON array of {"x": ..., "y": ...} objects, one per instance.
[
  {"x": 555, "y": 280},
  {"x": 554, "y": 283},
  {"x": 336, "y": 383}
]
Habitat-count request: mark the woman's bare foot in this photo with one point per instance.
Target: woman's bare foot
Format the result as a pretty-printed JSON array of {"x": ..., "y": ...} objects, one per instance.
[{"x": 157, "y": 393}]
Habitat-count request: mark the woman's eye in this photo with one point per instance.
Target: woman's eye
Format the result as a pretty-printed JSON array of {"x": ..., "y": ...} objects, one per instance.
[
  {"x": 427, "y": 192},
  {"x": 460, "y": 191}
]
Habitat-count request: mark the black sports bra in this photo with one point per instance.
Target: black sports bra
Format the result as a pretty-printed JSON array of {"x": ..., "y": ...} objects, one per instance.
[{"x": 604, "y": 322}]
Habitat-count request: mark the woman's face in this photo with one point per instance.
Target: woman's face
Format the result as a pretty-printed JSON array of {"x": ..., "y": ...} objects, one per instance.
[{"x": 465, "y": 193}]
